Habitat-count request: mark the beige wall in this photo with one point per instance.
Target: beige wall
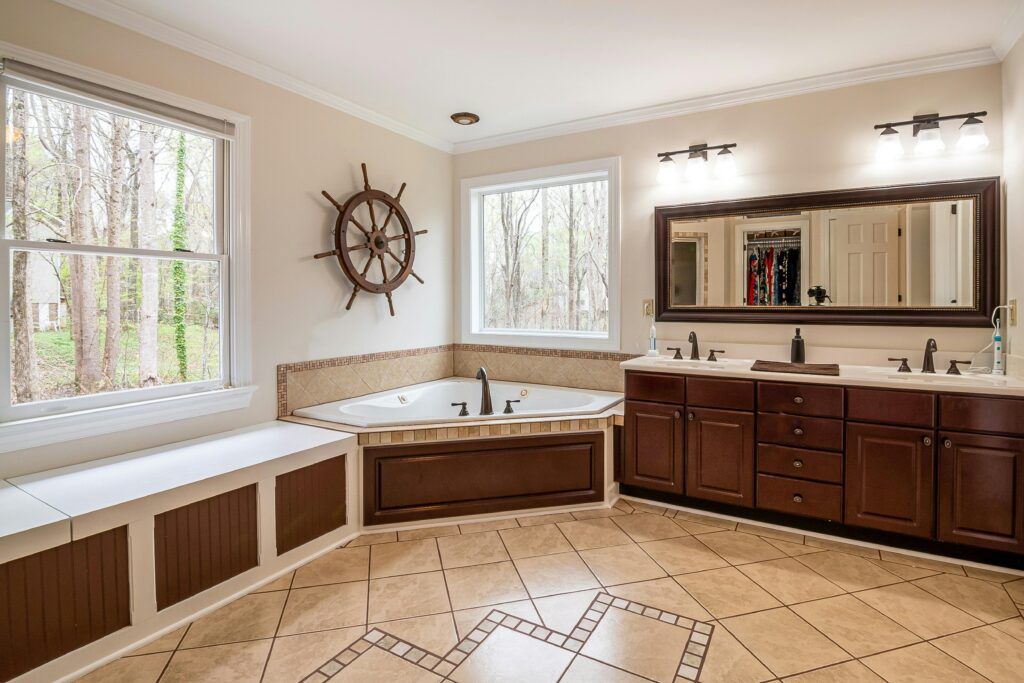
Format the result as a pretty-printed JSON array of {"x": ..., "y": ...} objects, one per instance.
[
  {"x": 818, "y": 141},
  {"x": 1013, "y": 173},
  {"x": 299, "y": 147}
]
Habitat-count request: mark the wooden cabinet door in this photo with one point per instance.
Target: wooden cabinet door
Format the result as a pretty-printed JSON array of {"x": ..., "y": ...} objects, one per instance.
[
  {"x": 981, "y": 486},
  {"x": 654, "y": 446},
  {"x": 720, "y": 456},
  {"x": 890, "y": 478}
]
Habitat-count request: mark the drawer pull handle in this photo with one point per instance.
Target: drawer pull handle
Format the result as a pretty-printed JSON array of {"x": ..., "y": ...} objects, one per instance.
[
  {"x": 947, "y": 443},
  {"x": 798, "y": 400},
  {"x": 690, "y": 416},
  {"x": 927, "y": 441},
  {"x": 798, "y": 431},
  {"x": 797, "y": 498},
  {"x": 676, "y": 415},
  {"x": 798, "y": 464}
]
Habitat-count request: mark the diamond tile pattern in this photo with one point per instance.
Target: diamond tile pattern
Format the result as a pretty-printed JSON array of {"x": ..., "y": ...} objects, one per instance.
[{"x": 634, "y": 593}]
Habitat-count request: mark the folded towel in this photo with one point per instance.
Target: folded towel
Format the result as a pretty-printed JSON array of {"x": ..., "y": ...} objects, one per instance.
[{"x": 801, "y": 368}]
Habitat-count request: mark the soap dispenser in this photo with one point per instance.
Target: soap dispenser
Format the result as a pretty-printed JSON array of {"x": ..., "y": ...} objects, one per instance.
[{"x": 796, "y": 352}]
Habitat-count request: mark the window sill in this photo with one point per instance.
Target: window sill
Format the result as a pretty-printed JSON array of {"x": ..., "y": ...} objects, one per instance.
[
  {"x": 541, "y": 340},
  {"x": 41, "y": 431}
]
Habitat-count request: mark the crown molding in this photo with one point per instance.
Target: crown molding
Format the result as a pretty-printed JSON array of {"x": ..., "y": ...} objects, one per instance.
[
  {"x": 134, "y": 21},
  {"x": 800, "y": 86},
  {"x": 157, "y": 30},
  {"x": 1013, "y": 29}
]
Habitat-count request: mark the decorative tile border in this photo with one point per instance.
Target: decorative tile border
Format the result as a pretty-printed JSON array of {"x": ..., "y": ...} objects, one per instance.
[
  {"x": 384, "y": 438},
  {"x": 688, "y": 670},
  {"x": 557, "y": 353}
]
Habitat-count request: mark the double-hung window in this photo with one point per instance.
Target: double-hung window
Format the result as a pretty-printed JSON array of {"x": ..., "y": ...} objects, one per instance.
[
  {"x": 116, "y": 248},
  {"x": 541, "y": 257}
]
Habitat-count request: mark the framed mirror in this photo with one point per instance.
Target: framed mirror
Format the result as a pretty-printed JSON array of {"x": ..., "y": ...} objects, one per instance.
[{"x": 923, "y": 254}]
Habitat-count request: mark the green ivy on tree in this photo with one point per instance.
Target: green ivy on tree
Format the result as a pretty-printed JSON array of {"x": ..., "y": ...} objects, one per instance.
[{"x": 178, "y": 270}]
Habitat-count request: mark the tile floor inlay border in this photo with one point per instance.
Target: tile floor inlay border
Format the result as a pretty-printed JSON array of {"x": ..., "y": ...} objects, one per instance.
[{"x": 691, "y": 659}]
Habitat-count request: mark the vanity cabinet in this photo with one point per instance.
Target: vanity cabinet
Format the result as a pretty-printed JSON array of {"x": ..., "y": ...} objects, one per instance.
[
  {"x": 720, "y": 455},
  {"x": 981, "y": 490},
  {"x": 932, "y": 465},
  {"x": 890, "y": 478},
  {"x": 654, "y": 446}
]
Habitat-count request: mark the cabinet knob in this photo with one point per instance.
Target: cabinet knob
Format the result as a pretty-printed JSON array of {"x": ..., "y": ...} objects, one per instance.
[
  {"x": 690, "y": 416},
  {"x": 947, "y": 443},
  {"x": 798, "y": 464},
  {"x": 798, "y": 400},
  {"x": 797, "y": 498},
  {"x": 927, "y": 441},
  {"x": 676, "y": 415},
  {"x": 798, "y": 431}
]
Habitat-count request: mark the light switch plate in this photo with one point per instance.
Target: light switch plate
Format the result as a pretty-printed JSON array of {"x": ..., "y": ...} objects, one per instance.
[
  {"x": 648, "y": 308},
  {"x": 1012, "y": 305}
]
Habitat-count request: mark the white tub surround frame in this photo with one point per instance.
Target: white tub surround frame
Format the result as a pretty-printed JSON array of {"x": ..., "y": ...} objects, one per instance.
[
  {"x": 471, "y": 276},
  {"x": 47, "y": 422}
]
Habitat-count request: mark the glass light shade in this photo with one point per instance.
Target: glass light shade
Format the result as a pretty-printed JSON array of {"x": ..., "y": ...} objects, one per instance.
[
  {"x": 697, "y": 166},
  {"x": 890, "y": 146},
  {"x": 725, "y": 164},
  {"x": 972, "y": 136},
  {"x": 929, "y": 140},
  {"x": 668, "y": 172}
]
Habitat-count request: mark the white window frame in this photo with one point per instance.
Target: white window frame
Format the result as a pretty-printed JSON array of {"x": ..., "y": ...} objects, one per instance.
[
  {"x": 471, "y": 278},
  {"x": 53, "y": 421}
]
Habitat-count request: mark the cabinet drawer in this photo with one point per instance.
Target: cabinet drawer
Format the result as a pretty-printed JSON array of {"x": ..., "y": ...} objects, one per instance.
[
  {"x": 981, "y": 414},
  {"x": 800, "y": 399},
  {"x": 901, "y": 408},
  {"x": 730, "y": 394},
  {"x": 649, "y": 386},
  {"x": 802, "y": 432},
  {"x": 799, "y": 497},
  {"x": 800, "y": 463}
]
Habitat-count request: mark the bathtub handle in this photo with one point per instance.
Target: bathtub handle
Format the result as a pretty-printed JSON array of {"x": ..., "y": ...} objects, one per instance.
[
  {"x": 464, "y": 412},
  {"x": 508, "y": 405}
]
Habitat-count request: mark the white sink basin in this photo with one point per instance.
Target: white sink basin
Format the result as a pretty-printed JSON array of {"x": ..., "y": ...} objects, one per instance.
[{"x": 720, "y": 364}]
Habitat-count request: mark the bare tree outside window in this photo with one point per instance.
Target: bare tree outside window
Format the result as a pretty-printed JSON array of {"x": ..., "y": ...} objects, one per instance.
[
  {"x": 545, "y": 258},
  {"x": 86, "y": 323}
]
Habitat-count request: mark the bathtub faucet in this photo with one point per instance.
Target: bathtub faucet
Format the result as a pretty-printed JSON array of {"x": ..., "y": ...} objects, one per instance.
[{"x": 485, "y": 393}]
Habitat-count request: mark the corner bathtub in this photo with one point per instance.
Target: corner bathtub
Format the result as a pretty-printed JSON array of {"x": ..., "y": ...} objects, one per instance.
[{"x": 431, "y": 403}]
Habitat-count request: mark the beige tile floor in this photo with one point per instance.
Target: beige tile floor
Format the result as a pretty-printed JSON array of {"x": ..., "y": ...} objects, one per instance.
[{"x": 635, "y": 593}]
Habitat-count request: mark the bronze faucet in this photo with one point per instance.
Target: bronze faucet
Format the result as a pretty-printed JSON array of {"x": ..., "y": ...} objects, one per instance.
[
  {"x": 928, "y": 364},
  {"x": 694, "y": 348},
  {"x": 485, "y": 393}
]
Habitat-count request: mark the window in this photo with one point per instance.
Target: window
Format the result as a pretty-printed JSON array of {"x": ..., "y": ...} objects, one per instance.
[
  {"x": 542, "y": 257},
  {"x": 115, "y": 251}
]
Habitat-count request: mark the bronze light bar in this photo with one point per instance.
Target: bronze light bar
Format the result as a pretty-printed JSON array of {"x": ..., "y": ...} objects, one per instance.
[
  {"x": 697, "y": 149},
  {"x": 929, "y": 118}
]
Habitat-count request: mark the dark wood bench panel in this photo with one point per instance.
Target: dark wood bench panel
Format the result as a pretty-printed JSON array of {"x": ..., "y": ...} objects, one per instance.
[
  {"x": 205, "y": 543},
  {"x": 425, "y": 481},
  {"x": 309, "y": 503},
  {"x": 57, "y": 600}
]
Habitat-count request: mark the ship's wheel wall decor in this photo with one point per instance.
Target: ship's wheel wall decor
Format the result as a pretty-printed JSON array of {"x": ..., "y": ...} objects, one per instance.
[{"x": 387, "y": 264}]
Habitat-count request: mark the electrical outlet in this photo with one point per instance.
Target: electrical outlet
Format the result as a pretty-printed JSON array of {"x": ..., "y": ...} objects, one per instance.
[
  {"x": 648, "y": 308},
  {"x": 1012, "y": 305}
]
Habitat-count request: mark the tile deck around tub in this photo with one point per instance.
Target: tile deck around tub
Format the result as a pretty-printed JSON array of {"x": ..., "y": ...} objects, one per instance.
[{"x": 629, "y": 594}]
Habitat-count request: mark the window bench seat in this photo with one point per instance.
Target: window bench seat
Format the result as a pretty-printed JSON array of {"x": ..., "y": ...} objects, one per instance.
[{"x": 163, "y": 535}]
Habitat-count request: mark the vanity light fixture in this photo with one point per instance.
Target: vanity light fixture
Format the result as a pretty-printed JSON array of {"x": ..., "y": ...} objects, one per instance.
[
  {"x": 889, "y": 145},
  {"x": 697, "y": 163},
  {"x": 928, "y": 134},
  {"x": 668, "y": 172},
  {"x": 972, "y": 135}
]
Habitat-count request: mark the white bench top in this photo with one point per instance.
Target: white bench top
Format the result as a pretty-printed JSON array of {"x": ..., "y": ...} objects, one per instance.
[
  {"x": 28, "y": 525},
  {"x": 105, "y": 493}
]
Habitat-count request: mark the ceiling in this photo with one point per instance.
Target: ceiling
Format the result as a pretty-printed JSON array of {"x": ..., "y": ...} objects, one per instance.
[{"x": 532, "y": 68}]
